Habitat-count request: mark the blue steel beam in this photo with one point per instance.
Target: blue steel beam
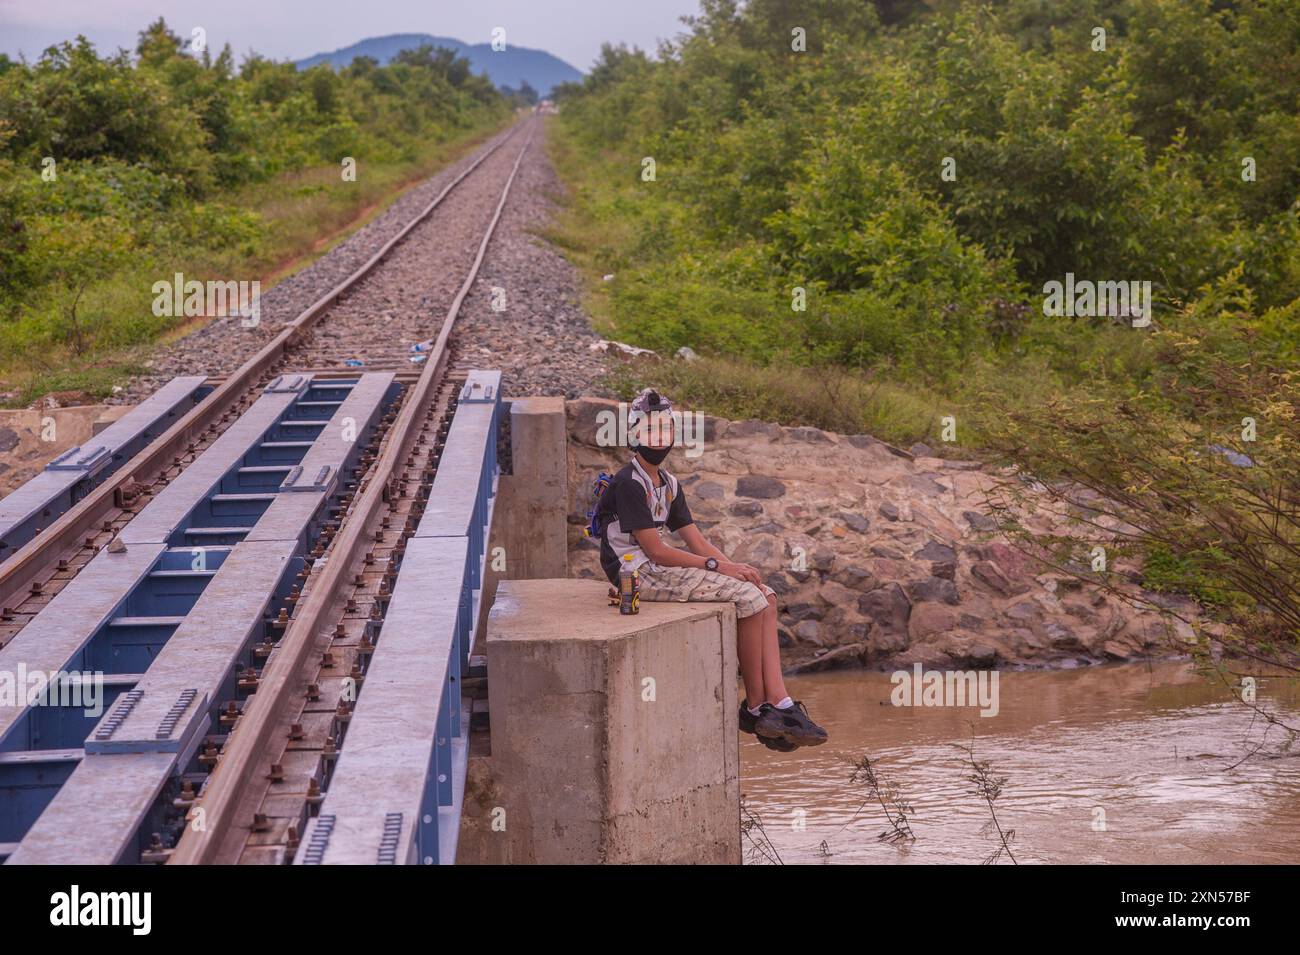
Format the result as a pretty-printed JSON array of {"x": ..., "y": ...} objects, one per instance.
[
  {"x": 384, "y": 797},
  {"x": 76, "y": 472},
  {"x": 218, "y": 610},
  {"x": 464, "y": 489},
  {"x": 396, "y": 792}
]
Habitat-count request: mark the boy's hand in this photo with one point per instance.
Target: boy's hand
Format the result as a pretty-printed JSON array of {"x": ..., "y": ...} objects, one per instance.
[{"x": 739, "y": 571}]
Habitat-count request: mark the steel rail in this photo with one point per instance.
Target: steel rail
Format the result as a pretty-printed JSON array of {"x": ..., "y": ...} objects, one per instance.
[
  {"x": 40, "y": 556},
  {"x": 220, "y": 799}
]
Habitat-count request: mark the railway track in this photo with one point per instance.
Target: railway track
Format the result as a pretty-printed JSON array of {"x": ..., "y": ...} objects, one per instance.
[{"x": 232, "y": 577}]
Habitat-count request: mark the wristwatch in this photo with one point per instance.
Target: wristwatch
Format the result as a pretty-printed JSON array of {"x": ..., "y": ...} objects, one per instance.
[{"x": 711, "y": 564}]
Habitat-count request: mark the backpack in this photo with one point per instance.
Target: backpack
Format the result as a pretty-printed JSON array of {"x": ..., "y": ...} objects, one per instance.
[{"x": 600, "y": 487}]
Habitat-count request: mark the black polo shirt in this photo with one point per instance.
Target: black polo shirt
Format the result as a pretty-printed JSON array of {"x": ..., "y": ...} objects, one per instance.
[{"x": 632, "y": 503}]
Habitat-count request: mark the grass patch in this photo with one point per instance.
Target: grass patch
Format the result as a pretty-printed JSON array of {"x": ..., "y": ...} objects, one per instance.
[
  {"x": 749, "y": 367},
  {"x": 829, "y": 398},
  {"x": 94, "y": 381},
  {"x": 306, "y": 214},
  {"x": 299, "y": 215}
]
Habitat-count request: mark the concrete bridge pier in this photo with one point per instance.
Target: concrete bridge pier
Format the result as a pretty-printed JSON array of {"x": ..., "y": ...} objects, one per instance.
[{"x": 613, "y": 737}]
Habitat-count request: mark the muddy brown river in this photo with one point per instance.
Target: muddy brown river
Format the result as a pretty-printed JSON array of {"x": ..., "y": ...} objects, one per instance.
[{"x": 1112, "y": 764}]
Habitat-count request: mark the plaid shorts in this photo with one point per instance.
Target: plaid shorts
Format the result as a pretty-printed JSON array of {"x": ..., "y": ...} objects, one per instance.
[{"x": 695, "y": 583}]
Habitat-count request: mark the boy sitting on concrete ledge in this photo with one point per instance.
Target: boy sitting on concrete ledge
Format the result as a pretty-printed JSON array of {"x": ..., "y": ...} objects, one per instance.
[{"x": 641, "y": 499}]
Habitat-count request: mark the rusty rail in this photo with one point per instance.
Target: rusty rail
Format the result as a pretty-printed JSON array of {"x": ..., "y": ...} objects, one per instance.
[{"x": 220, "y": 801}]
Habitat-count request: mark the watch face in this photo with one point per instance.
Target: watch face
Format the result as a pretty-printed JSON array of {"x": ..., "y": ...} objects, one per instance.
[{"x": 711, "y": 564}]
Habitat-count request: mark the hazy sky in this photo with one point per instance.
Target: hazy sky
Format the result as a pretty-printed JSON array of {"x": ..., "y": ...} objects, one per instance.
[{"x": 293, "y": 29}]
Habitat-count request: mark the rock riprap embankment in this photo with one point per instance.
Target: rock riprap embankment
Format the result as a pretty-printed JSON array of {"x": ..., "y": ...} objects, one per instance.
[{"x": 878, "y": 559}]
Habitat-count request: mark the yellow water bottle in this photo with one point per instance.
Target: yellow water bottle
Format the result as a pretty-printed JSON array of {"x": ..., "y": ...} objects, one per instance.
[{"x": 629, "y": 587}]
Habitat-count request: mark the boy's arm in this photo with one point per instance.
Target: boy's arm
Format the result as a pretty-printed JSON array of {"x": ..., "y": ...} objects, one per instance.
[
  {"x": 698, "y": 544},
  {"x": 667, "y": 555}
]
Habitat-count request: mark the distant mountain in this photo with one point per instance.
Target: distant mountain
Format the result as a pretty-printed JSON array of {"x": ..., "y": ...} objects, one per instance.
[{"x": 509, "y": 67}]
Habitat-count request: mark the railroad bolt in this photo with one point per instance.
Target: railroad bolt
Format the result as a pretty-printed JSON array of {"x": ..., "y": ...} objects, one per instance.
[
  {"x": 186, "y": 797},
  {"x": 248, "y": 680},
  {"x": 7, "y": 613},
  {"x": 365, "y": 647},
  {"x": 157, "y": 852},
  {"x": 370, "y": 557},
  {"x": 314, "y": 797},
  {"x": 260, "y": 822},
  {"x": 331, "y": 749},
  {"x": 327, "y": 659},
  {"x": 356, "y": 675},
  {"x": 63, "y": 563},
  {"x": 291, "y": 836},
  {"x": 276, "y": 775},
  {"x": 313, "y": 692},
  {"x": 296, "y": 732},
  {"x": 263, "y": 649},
  {"x": 350, "y": 606},
  {"x": 230, "y": 714},
  {"x": 344, "y": 713},
  {"x": 36, "y": 587}
]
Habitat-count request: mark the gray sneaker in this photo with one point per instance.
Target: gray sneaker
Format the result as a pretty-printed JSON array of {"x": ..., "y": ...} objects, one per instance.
[
  {"x": 792, "y": 725},
  {"x": 748, "y": 721}
]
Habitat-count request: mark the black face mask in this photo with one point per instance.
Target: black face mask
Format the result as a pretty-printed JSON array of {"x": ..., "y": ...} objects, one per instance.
[{"x": 654, "y": 455}]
